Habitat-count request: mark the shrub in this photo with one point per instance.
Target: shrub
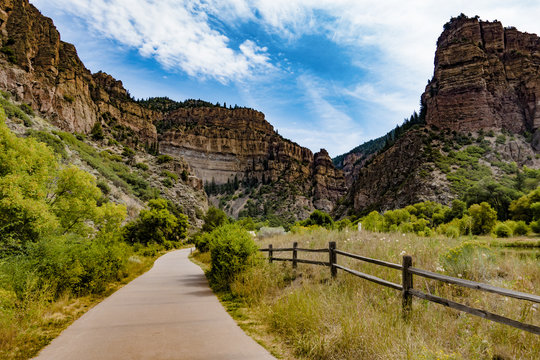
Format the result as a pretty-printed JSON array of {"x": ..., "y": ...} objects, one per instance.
[
  {"x": 468, "y": 260},
  {"x": 162, "y": 159},
  {"x": 266, "y": 231},
  {"x": 502, "y": 230},
  {"x": 142, "y": 166},
  {"x": 214, "y": 217},
  {"x": 231, "y": 250},
  {"x": 97, "y": 131},
  {"x": 51, "y": 140},
  {"x": 169, "y": 175},
  {"x": 27, "y": 109},
  {"x": 521, "y": 228},
  {"x": 66, "y": 265},
  {"x": 483, "y": 218},
  {"x": 373, "y": 221},
  {"x": 70, "y": 99},
  {"x": 535, "y": 226},
  {"x": 319, "y": 218},
  {"x": 167, "y": 182},
  {"x": 202, "y": 241},
  {"x": 185, "y": 175},
  {"x": 452, "y": 232},
  {"x": 157, "y": 225}
]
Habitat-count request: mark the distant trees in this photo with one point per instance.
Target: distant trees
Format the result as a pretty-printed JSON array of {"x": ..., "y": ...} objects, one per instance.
[{"x": 158, "y": 224}]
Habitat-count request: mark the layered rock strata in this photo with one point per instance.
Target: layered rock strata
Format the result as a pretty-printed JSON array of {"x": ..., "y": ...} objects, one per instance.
[
  {"x": 45, "y": 72},
  {"x": 486, "y": 77},
  {"x": 225, "y": 145}
]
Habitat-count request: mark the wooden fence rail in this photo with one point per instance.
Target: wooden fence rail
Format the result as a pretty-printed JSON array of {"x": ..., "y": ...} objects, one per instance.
[{"x": 406, "y": 287}]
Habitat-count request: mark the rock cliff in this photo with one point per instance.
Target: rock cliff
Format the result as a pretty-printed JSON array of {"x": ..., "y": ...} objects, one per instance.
[
  {"x": 486, "y": 77},
  {"x": 226, "y": 145},
  {"x": 486, "y": 80},
  {"x": 45, "y": 72}
]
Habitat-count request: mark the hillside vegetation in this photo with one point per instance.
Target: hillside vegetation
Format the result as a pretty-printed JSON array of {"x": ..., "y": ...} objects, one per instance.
[{"x": 64, "y": 245}]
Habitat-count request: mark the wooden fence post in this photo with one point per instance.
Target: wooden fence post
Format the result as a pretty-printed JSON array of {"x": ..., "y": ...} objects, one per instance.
[
  {"x": 294, "y": 255},
  {"x": 270, "y": 253},
  {"x": 407, "y": 283},
  {"x": 333, "y": 258}
]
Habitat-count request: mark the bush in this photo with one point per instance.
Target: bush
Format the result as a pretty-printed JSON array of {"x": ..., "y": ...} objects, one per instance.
[
  {"x": 483, "y": 218},
  {"x": 452, "y": 232},
  {"x": 502, "y": 230},
  {"x": 202, "y": 242},
  {"x": 142, "y": 166},
  {"x": 469, "y": 260},
  {"x": 97, "y": 131},
  {"x": 214, "y": 218},
  {"x": 157, "y": 225},
  {"x": 319, "y": 218},
  {"x": 535, "y": 226},
  {"x": 66, "y": 265},
  {"x": 231, "y": 250},
  {"x": 521, "y": 228},
  {"x": 162, "y": 159},
  {"x": 266, "y": 231}
]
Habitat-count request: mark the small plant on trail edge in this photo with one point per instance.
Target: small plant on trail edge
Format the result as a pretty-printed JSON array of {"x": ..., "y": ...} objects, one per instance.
[{"x": 232, "y": 250}]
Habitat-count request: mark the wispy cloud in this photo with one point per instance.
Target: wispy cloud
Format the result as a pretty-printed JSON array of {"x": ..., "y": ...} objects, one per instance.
[{"x": 177, "y": 33}]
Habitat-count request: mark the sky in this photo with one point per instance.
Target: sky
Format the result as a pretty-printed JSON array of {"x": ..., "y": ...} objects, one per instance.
[{"x": 327, "y": 73}]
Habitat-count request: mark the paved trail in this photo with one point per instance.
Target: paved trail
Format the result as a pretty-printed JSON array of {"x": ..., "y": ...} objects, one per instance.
[{"x": 167, "y": 313}]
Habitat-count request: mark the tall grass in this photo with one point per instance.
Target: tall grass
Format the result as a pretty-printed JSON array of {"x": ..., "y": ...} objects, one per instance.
[{"x": 350, "y": 318}]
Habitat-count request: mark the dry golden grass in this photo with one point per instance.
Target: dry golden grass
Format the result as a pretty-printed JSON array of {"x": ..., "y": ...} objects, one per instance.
[{"x": 351, "y": 318}]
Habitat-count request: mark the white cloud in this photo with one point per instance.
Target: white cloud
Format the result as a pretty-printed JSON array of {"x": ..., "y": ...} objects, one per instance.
[
  {"x": 330, "y": 128},
  {"x": 177, "y": 33}
]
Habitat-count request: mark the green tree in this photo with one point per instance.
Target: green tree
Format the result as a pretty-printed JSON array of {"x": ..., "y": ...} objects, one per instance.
[
  {"x": 214, "y": 217},
  {"x": 156, "y": 225},
  {"x": 319, "y": 218},
  {"x": 26, "y": 169},
  {"x": 497, "y": 195},
  {"x": 97, "y": 131},
  {"x": 524, "y": 208},
  {"x": 74, "y": 200},
  {"x": 483, "y": 218}
]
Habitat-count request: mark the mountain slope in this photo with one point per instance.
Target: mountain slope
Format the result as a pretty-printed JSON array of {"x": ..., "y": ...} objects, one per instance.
[{"x": 481, "y": 123}]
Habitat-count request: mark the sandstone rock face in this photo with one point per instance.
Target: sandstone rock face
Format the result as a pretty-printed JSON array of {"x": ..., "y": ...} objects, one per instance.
[
  {"x": 328, "y": 182},
  {"x": 46, "y": 73},
  {"x": 486, "y": 77},
  {"x": 226, "y": 144}
]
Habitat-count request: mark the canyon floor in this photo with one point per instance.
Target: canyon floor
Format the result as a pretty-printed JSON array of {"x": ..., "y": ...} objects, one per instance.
[{"x": 167, "y": 313}]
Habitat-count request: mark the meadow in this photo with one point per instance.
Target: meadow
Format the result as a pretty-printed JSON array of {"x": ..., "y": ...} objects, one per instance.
[{"x": 305, "y": 314}]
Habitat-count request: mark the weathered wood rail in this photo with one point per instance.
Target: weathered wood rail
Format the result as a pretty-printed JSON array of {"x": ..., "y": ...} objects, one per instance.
[{"x": 407, "y": 284}]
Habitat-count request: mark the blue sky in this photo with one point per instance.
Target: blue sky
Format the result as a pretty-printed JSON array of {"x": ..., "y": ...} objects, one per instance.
[{"x": 327, "y": 74}]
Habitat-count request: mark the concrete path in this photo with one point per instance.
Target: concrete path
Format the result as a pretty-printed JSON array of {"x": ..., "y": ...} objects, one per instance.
[{"x": 167, "y": 313}]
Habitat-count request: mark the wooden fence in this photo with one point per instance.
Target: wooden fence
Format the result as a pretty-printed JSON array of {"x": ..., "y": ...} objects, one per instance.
[{"x": 406, "y": 286}]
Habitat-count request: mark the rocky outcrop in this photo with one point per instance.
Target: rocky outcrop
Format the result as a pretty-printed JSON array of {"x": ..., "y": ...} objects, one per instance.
[
  {"x": 45, "y": 72},
  {"x": 328, "y": 182},
  {"x": 225, "y": 145},
  {"x": 486, "y": 77},
  {"x": 396, "y": 178}
]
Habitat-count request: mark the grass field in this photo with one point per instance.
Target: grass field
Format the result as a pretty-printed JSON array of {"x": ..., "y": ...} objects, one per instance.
[{"x": 304, "y": 314}]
